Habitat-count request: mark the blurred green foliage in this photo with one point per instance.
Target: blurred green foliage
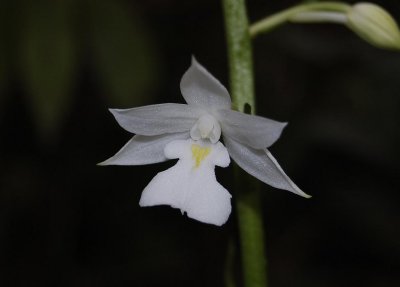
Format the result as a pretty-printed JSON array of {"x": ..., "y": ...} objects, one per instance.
[
  {"x": 49, "y": 42},
  {"x": 123, "y": 53},
  {"x": 3, "y": 50},
  {"x": 48, "y": 60}
]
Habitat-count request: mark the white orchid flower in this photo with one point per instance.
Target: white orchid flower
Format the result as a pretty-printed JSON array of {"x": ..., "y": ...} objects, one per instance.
[{"x": 191, "y": 132}]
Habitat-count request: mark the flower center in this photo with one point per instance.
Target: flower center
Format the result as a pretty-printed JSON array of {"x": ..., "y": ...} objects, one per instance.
[
  {"x": 206, "y": 127},
  {"x": 199, "y": 153}
]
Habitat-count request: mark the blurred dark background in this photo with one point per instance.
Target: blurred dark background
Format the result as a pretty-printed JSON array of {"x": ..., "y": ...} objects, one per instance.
[{"x": 66, "y": 222}]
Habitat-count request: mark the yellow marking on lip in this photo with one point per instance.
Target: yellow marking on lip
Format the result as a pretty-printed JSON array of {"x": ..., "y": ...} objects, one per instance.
[{"x": 199, "y": 153}]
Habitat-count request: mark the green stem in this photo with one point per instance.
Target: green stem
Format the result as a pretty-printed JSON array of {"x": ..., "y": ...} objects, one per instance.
[
  {"x": 230, "y": 264},
  {"x": 275, "y": 20},
  {"x": 239, "y": 54},
  {"x": 248, "y": 192}
]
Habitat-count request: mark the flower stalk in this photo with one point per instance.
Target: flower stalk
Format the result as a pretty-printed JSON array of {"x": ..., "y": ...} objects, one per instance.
[
  {"x": 248, "y": 192},
  {"x": 369, "y": 21},
  {"x": 271, "y": 22}
]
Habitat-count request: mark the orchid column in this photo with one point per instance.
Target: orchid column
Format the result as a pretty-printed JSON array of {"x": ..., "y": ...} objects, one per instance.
[{"x": 247, "y": 193}]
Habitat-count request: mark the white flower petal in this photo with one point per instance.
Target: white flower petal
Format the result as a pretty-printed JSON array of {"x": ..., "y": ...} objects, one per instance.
[
  {"x": 157, "y": 119},
  {"x": 254, "y": 131},
  {"x": 191, "y": 186},
  {"x": 144, "y": 150},
  {"x": 262, "y": 165},
  {"x": 201, "y": 89}
]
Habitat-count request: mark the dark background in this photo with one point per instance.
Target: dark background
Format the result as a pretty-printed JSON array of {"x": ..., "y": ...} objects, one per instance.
[{"x": 66, "y": 222}]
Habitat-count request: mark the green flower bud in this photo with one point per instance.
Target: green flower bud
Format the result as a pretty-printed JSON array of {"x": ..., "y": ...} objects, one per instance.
[{"x": 375, "y": 25}]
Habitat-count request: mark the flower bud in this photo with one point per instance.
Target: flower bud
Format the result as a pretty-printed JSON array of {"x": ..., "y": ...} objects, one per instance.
[{"x": 375, "y": 25}]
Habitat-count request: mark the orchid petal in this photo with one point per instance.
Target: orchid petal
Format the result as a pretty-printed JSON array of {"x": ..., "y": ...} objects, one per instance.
[
  {"x": 254, "y": 131},
  {"x": 144, "y": 150},
  {"x": 262, "y": 165},
  {"x": 201, "y": 89},
  {"x": 191, "y": 186},
  {"x": 157, "y": 119}
]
